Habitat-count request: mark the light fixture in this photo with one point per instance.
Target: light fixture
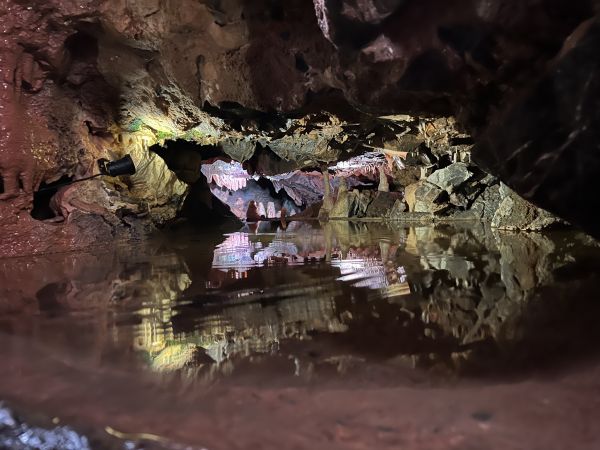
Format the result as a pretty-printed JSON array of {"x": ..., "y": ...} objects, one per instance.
[{"x": 118, "y": 168}]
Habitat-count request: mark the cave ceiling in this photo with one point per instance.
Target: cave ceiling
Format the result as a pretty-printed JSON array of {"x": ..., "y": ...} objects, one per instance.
[{"x": 300, "y": 84}]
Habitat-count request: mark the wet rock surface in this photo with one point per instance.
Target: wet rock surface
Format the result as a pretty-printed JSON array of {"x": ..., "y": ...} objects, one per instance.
[
  {"x": 450, "y": 177},
  {"x": 515, "y": 213},
  {"x": 308, "y": 84},
  {"x": 20, "y": 436},
  {"x": 446, "y": 191},
  {"x": 329, "y": 333}
]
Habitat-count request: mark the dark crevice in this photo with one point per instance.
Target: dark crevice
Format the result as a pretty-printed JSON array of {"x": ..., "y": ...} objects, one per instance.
[
  {"x": 324, "y": 101},
  {"x": 277, "y": 11},
  {"x": 204, "y": 209},
  {"x": 301, "y": 64},
  {"x": 266, "y": 162},
  {"x": 82, "y": 46},
  {"x": 237, "y": 116},
  {"x": 201, "y": 207},
  {"x": 49, "y": 297},
  {"x": 461, "y": 141},
  {"x": 472, "y": 40},
  {"x": 185, "y": 158},
  {"x": 428, "y": 72},
  {"x": 265, "y": 183},
  {"x": 172, "y": 147},
  {"x": 43, "y": 206},
  {"x": 150, "y": 14}
]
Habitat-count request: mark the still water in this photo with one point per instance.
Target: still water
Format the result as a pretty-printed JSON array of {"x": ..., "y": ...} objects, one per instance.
[{"x": 305, "y": 305}]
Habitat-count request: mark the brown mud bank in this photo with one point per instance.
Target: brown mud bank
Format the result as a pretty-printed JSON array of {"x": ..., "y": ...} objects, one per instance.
[{"x": 381, "y": 408}]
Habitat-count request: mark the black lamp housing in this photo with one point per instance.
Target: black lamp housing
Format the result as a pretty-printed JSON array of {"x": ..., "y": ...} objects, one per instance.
[{"x": 120, "y": 167}]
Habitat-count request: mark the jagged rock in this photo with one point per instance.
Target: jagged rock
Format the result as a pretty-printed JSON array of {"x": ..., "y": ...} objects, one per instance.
[
  {"x": 541, "y": 141},
  {"x": 399, "y": 208},
  {"x": 18, "y": 435},
  {"x": 439, "y": 134},
  {"x": 420, "y": 157},
  {"x": 489, "y": 180},
  {"x": 475, "y": 186},
  {"x": 343, "y": 205},
  {"x": 525, "y": 261},
  {"x": 516, "y": 213},
  {"x": 382, "y": 204},
  {"x": 239, "y": 149},
  {"x": 469, "y": 215},
  {"x": 146, "y": 75},
  {"x": 410, "y": 196},
  {"x": 449, "y": 178},
  {"x": 384, "y": 186},
  {"x": 427, "y": 198},
  {"x": 487, "y": 203},
  {"x": 361, "y": 202},
  {"x": 473, "y": 197},
  {"x": 459, "y": 199},
  {"x": 407, "y": 176}
]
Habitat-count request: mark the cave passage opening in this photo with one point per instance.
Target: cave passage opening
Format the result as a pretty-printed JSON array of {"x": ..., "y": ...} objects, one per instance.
[
  {"x": 45, "y": 204},
  {"x": 219, "y": 183}
]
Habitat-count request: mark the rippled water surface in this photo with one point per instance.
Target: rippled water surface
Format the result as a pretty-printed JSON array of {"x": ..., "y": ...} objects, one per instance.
[{"x": 308, "y": 304}]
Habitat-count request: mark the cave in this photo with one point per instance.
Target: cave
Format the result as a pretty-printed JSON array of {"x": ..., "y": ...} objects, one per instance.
[
  {"x": 299, "y": 224},
  {"x": 45, "y": 201}
]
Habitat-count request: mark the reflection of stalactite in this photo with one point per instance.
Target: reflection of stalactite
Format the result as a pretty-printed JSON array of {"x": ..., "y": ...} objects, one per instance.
[
  {"x": 155, "y": 331},
  {"x": 249, "y": 328},
  {"x": 454, "y": 299},
  {"x": 235, "y": 252}
]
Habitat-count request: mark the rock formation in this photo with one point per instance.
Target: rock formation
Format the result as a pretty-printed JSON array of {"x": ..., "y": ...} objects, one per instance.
[{"x": 282, "y": 86}]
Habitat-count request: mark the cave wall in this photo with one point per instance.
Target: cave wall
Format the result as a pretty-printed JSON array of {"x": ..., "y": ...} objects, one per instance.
[{"x": 81, "y": 80}]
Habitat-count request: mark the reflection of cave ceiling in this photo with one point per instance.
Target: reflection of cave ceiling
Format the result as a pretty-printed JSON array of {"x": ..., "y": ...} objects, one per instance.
[
  {"x": 465, "y": 287},
  {"x": 465, "y": 291}
]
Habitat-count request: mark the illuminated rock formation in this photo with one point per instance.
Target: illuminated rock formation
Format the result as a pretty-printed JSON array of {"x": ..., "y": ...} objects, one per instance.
[{"x": 286, "y": 87}]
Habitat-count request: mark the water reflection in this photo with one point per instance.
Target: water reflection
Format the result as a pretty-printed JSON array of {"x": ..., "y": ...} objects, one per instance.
[{"x": 313, "y": 298}]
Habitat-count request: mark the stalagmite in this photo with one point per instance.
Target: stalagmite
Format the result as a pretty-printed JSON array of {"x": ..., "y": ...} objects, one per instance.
[
  {"x": 252, "y": 213},
  {"x": 341, "y": 208},
  {"x": 384, "y": 186},
  {"x": 327, "y": 199},
  {"x": 261, "y": 210}
]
